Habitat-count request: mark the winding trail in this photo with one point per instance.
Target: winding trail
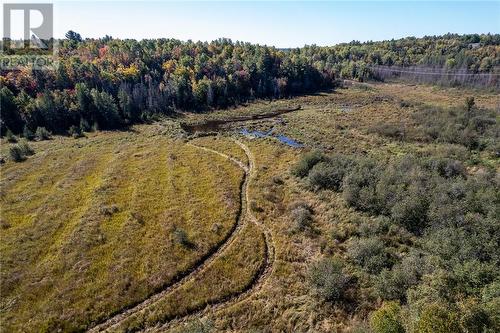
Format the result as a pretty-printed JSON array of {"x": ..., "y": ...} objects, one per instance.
[
  {"x": 245, "y": 214},
  {"x": 257, "y": 283}
]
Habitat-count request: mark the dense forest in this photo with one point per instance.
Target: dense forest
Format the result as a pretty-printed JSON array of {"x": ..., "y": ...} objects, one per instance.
[{"x": 108, "y": 83}]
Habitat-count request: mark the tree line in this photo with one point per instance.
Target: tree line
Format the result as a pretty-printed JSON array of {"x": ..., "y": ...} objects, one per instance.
[{"x": 109, "y": 83}]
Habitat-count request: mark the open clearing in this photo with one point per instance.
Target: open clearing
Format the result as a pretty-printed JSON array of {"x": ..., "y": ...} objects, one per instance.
[
  {"x": 155, "y": 230},
  {"x": 97, "y": 227}
]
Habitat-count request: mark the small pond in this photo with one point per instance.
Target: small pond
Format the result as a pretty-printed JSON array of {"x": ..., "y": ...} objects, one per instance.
[{"x": 282, "y": 138}]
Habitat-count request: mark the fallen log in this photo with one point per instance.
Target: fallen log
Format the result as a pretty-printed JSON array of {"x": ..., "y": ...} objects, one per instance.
[{"x": 213, "y": 124}]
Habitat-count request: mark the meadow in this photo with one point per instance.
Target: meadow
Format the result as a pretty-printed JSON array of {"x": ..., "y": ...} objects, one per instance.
[
  {"x": 93, "y": 225},
  {"x": 156, "y": 229}
]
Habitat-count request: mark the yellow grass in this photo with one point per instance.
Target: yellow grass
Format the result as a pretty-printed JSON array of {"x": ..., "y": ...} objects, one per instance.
[
  {"x": 223, "y": 144},
  {"x": 88, "y": 225},
  {"x": 89, "y": 231},
  {"x": 339, "y": 122},
  {"x": 228, "y": 276}
]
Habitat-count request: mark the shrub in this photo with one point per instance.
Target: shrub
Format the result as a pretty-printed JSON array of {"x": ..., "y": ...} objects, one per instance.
[
  {"x": 10, "y": 137},
  {"x": 405, "y": 104},
  {"x": 393, "y": 284},
  {"x": 42, "y": 133},
  {"x": 388, "y": 130},
  {"x": 108, "y": 210},
  {"x": 372, "y": 226},
  {"x": 474, "y": 318},
  {"x": 446, "y": 167},
  {"x": 469, "y": 104},
  {"x": 255, "y": 207},
  {"x": 301, "y": 216},
  {"x": 198, "y": 326},
  {"x": 4, "y": 224},
  {"x": 411, "y": 211},
  {"x": 329, "y": 279},
  {"x": 216, "y": 228},
  {"x": 277, "y": 180},
  {"x": 437, "y": 318},
  {"x": 27, "y": 133},
  {"x": 491, "y": 304},
  {"x": 301, "y": 169},
  {"x": 459, "y": 245},
  {"x": 182, "y": 238},
  {"x": 329, "y": 174},
  {"x": 137, "y": 217},
  {"x": 75, "y": 131},
  {"x": 472, "y": 276},
  {"x": 464, "y": 125},
  {"x": 359, "y": 186},
  {"x": 84, "y": 125},
  {"x": 369, "y": 253},
  {"x": 25, "y": 148},
  {"x": 16, "y": 154},
  {"x": 387, "y": 319},
  {"x": 447, "y": 206},
  {"x": 392, "y": 181}
]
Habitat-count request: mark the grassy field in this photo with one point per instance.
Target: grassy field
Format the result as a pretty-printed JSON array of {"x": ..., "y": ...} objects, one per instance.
[
  {"x": 95, "y": 225},
  {"x": 339, "y": 122},
  {"x": 223, "y": 145},
  {"x": 336, "y": 122},
  {"x": 230, "y": 275}
]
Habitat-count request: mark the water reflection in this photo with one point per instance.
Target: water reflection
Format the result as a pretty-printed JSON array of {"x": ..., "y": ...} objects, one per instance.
[{"x": 282, "y": 138}]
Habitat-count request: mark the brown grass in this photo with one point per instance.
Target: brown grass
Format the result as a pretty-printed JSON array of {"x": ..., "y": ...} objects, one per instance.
[
  {"x": 91, "y": 230},
  {"x": 88, "y": 224},
  {"x": 339, "y": 122},
  {"x": 229, "y": 275},
  {"x": 223, "y": 144}
]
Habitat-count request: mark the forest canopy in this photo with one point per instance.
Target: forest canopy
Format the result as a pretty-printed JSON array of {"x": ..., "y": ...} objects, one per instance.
[{"x": 108, "y": 83}]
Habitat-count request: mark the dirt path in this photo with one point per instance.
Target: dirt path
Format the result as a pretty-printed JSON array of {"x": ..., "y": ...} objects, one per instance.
[
  {"x": 245, "y": 214},
  {"x": 256, "y": 284},
  {"x": 235, "y": 161}
]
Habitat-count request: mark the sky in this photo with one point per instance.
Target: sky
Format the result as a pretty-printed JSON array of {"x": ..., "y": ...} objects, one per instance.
[{"x": 282, "y": 23}]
